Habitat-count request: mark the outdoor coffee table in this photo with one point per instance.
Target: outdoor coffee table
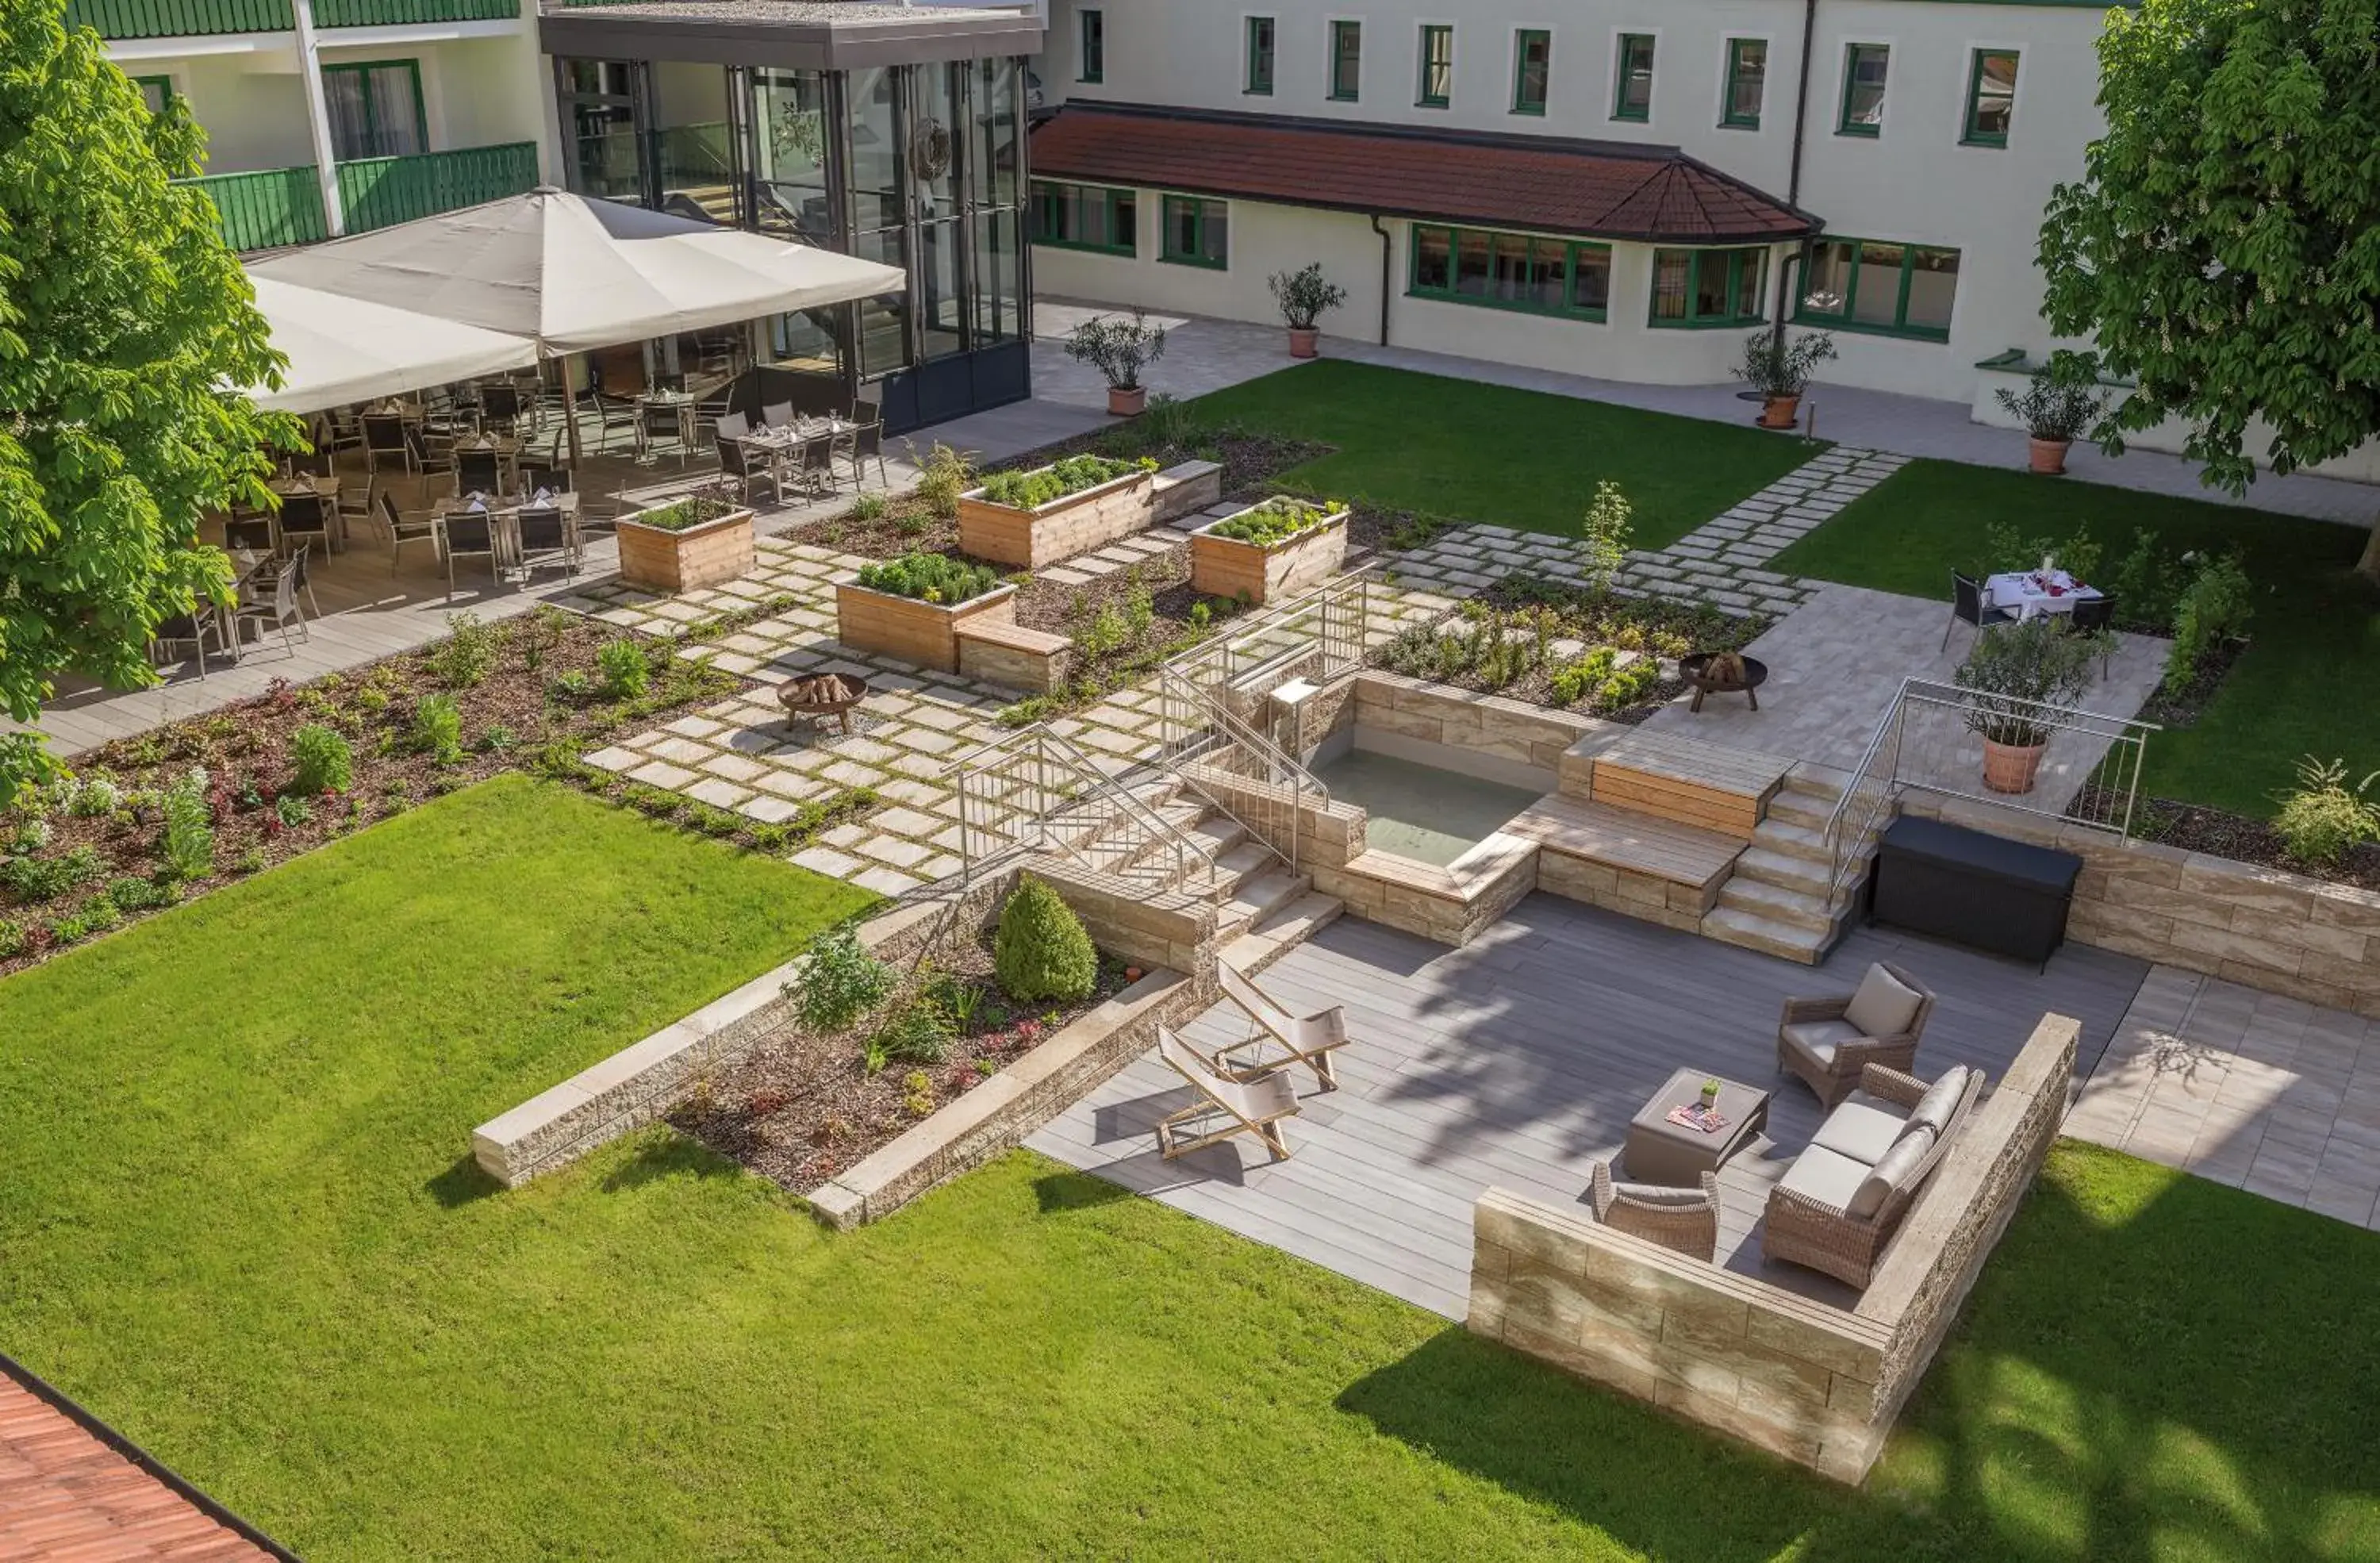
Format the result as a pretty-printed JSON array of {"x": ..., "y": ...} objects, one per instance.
[{"x": 1662, "y": 1152}]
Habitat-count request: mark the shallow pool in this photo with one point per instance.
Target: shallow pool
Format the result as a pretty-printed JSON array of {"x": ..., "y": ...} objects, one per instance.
[{"x": 1424, "y": 812}]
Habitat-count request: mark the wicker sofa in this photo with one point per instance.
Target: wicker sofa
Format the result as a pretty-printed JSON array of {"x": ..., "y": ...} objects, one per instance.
[{"x": 1843, "y": 1198}]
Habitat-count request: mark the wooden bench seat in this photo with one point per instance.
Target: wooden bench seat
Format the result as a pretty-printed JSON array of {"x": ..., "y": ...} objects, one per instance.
[
  {"x": 1001, "y": 651},
  {"x": 1706, "y": 785},
  {"x": 1629, "y": 862}
]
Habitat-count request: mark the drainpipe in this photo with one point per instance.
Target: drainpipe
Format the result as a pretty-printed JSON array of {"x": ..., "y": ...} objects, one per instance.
[
  {"x": 318, "y": 118},
  {"x": 1387, "y": 262},
  {"x": 1801, "y": 132}
]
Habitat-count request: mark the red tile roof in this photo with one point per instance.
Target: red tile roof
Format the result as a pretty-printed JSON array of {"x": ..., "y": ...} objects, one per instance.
[
  {"x": 1598, "y": 191},
  {"x": 66, "y": 1494}
]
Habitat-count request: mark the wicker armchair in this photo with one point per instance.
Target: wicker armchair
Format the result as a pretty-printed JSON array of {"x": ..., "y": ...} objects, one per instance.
[
  {"x": 1676, "y": 1219},
  {"x": 1808, "y": 1232},
  {"x": 1824, "y": 1043}
]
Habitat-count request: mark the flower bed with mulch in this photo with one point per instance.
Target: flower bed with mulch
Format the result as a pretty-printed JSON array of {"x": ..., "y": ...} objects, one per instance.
[{"x": 2220, "y": 833}]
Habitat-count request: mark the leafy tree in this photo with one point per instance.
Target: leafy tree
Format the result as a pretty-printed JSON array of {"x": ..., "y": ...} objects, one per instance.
[
  {"x": 123, "y": 318},
  {"x": 2223, "y": 245}
]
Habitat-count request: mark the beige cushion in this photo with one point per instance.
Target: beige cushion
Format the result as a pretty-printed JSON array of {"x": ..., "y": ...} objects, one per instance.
[
  {"x": 1884, "y": 1006},
  {"x": 1823, "y": 1177},
  {"x": 1819, "y": 1040},
  {"x": 1894, "y": 1172},
  {"x": 1660, "y": 1194},
  {"x": 1861, "y": 1130},
  {"x": 1940, "y": 1100}
]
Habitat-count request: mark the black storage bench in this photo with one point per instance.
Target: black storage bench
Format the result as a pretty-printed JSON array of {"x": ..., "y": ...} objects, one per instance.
[{"x": 1984, "y": 892}]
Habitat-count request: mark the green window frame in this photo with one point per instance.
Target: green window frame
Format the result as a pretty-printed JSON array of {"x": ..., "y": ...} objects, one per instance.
[
  {"x": 1195, "y": 232},
  {"x": 371, "y": 130},
  {"x": 1094, "y": 40},
  {"x": 1866, "y": 67},
  {"x": 1709, "y": 289},
  {"x": 1632, "y": 82},
  {"x": 1747, "y": 84},
  {"x": 1346, "y": 61},
  {"x": 1436, "y": 89},
  {"x": 161, "y": 86},
  {"x": 1991, "y": 98},
  {"x": 1098, "y": 219},
  {"x": 1261, "y": 33},
  {"x": 1528, "y": 274},
  {"x": 1533, "y": 69},
  {"x": 1885, "y": 287}
]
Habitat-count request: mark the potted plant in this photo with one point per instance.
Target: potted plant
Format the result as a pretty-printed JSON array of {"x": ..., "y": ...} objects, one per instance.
[
  {"x": 703, "y": 540},
  {"x": 1304, "y": 296},
  {"x": 2015, "y": 674},
  {"x": 1119, "y": 349},
  {"x": 1710, "y": 1094},
  {"x": 1781, "y": 371},
  {"x": 2058, "y": 405}
]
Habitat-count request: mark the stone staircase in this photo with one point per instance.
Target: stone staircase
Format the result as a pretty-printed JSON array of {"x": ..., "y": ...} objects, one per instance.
[
  {"x": 1776, "y": 901},
  {"x": 1263, "y": 908}
]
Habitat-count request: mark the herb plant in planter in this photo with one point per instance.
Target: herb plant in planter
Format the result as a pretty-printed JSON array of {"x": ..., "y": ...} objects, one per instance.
[
  {"x": 1119, "y": 349},
  {"x": 914, "y": 607},
  {"x": 2014, "y": 672},
  {"x": 700, "y": 541},
  {"x": 2056, "y": 409},
  {"x": 1269, "y": 550},
  {"x": 1030, "y": 519},
  {"x": 1304, "y": 297},
  {"x": 1780, "y": 370}
]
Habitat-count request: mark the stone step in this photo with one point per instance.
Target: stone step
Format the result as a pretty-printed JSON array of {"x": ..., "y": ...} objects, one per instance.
[
  {"x": 1749, "y": 931},
  {"x": 1788, "y": 871},
  {"x": 1219, "y": 833},
  {"x": 1775, "y": 903},
  {"x": 1793, "y": 838},
  {"x": 1250, "y": 903},
  {"x": 1283, "y": 931},
  {"x": 1237, "y": 864},
  {"x": 1800, "y": 808}
]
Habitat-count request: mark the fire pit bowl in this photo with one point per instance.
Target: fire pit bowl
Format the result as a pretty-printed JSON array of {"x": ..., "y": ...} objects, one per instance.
[
  {"x": 821, "y": 696},
  {"x": 1716, "y": 673}
]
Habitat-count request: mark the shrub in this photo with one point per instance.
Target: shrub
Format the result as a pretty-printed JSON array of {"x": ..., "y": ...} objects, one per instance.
[
  {"x": 868, "y": 507},
  {"x": 839, "y": 983},
  {"x": 292, "y": 810},
  {"x": 249, "y": 862},
  {"x": 463, "y": 659},
  {"x": 1040, "y": 949},
  {"x": 1030, "y": 490},
  {"x": 944, "y": 476},
  {"x": 1603, "y": 533},
  {"x": 917, "y": 1031},
  {"x": 14, "y": 937},
  {"x": 1630, "y": 684},
  {"x": 917, "y": 1092},
  {"x": 1276, "y": 520},
  {"x": 438, "y": 729},
  {"x": 496, "y": 740},
  {"x": 1026, "y": 712},
  {"x": 95, "y": 796},
  {"x": 571, "y": 686},
  {"x": 2215, "y": 608},
  {"x": 2322, "y": 817},
  {"x": 1167, "y": 422},
  {"x": 130, "y": 894},
  {"x": 2011, "y": 669},
  {"x": 46, "y": 878},
  {"x": 930, "y": 578},
  {"x": 323, "y": 761},
  {"x": 2148, "y": 583},
  {"x": 1575, "y": 680},
  {"x": 625, "y": 672},
  {"x": 188, "y": 844}
]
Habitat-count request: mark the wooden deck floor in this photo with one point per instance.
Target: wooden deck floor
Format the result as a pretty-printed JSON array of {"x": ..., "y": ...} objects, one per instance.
[{"x": 1519, "y": 1061}]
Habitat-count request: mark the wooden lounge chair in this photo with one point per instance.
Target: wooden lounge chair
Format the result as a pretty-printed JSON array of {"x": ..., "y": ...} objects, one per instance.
[
  {"x": 1309, "y": 1041},
  {"x": 1251, "y": 1108}
]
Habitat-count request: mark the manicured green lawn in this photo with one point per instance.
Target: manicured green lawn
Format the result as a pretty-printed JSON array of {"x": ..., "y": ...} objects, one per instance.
[
  {"x": 1516, "y": 458},
  {"x": 2306, "y": 684},
  {"x": 239, "y": 1223}
]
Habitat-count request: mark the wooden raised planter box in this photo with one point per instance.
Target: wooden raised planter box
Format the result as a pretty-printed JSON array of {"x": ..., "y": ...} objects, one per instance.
[
  {"x": 708, "y": 555},
  {"x": 1258, "y": 572},
  {"x": 923, "y": 633},
  {"x": 1061, "y": 530}
]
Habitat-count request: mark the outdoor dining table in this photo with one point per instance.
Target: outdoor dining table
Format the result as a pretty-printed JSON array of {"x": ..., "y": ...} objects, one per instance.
[
  {"x": 678, "y": 406},
  {"x": 504, "y": 512},
  {"x": 782, "y": 441},
  {"x": 2031, "y": 592}
]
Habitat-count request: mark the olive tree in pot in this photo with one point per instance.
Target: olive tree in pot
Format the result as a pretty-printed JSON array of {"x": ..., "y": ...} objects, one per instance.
[
  {"x": 2015, "y": 674},
  {"x": 1119, "y": 349},
  {"x": 2060, "y": 404},
  {"x": 1780, "y": 370},
  {"x": 1304, "y": 296}
]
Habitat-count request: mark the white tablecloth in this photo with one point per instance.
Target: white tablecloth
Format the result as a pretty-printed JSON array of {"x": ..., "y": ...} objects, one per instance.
[{"x": 2027, "y": 592}]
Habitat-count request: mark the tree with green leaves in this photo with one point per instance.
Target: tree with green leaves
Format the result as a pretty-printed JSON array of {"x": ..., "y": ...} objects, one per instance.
[
  {"x": 2223, "y": 245},
  {"x": 124, "y": 321}
]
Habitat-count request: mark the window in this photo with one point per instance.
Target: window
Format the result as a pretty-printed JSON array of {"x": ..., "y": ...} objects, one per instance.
[
  {"x": 1533, "y": 58},
  {"x": 155, "y": 90},
  {"x": 1198, "y": 233},
  {"x": 1708, "y": 287},
  {"x": 1095, "y": 45},
  {"x": 1523, "y": 271},
  {"x": 1085, "y": 217},
  {"x": 1260, "y": 33},
  {"x": 1991, "y": 98},
  {"x": 1864, "y": 67},
  {"x": 1874, "y": 285},
  {"x": 1346, "y": 60},
  {"x": 375, "y": 109},
  {"x": 1632, "y": 96},
  {"x": 1436, "y": 68},
  {"x": 1747, "y": 83}
]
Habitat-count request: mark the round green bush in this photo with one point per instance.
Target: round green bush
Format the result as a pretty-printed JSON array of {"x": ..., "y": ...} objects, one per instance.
[
  {"x": 324, "y": 760},
  {"x": 1040, "y": 951}
]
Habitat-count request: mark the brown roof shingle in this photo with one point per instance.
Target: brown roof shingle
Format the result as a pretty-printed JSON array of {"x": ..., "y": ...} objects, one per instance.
[{"x": 1600, "y": 190}]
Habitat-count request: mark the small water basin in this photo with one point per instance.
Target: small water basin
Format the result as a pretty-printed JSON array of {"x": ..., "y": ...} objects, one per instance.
[{"x": 1424, "y": 812}]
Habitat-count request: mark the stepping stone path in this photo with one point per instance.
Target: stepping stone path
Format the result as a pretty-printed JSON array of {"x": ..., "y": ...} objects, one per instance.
[{"x": 1719, "y": 562}]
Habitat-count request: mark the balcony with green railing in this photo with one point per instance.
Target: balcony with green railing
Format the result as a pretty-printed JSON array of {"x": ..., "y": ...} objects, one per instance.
[
  {"x": 198, "y": 18},
  {"x": 280, "y": 207}
]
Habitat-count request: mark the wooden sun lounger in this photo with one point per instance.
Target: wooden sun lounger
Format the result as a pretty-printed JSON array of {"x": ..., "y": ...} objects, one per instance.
[
  {"x": 1309, "y": 1041},
  {"x": 1251, "y": 1108}
]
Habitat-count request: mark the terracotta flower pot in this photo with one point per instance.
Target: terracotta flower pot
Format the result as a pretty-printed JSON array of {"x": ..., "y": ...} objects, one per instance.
[
  {"x": 1778, "y": 412},
  {"x": 1302, "y": 339},
  {"x": 1127, "y": 401},
  {"x": 2050, "y": 455},
  {"x": 2011, "y": 768}
]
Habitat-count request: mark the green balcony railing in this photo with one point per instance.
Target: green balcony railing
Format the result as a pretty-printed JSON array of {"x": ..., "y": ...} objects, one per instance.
[
  {"x": 377, "y": 191},
  {"x": 178, "y": 18},
  {"x": 395, "y": 13},
  {"x": 268, "y": 209}
]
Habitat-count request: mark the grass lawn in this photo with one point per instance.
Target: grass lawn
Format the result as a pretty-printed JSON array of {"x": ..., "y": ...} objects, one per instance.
[
  {"x": 239, "y": 1223},
  {"x": 1517, "y": 458},
  {"x": 2306, "y": 683}
]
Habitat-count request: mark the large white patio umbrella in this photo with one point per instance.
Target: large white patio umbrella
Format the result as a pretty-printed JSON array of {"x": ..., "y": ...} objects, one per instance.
[
  {"x": 347, "y": 350},
  {"x": 571, "y": 274}
]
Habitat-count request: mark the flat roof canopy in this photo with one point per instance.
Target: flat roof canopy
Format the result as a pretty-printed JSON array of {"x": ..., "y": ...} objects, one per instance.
[{"x": 787, "y": 34}]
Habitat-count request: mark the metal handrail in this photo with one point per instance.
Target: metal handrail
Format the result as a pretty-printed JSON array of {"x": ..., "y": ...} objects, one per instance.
[
  {"x": 1281, "y": 769},
  {"x": 1084, "y": 786}
]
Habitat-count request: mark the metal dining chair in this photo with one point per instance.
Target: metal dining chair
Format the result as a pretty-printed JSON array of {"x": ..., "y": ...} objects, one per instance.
[
  {"x": 733, "y": 425},
  {"x": 749, "y": 464},
  {"x": 425, "y": 459},
  {"x": 278, "y": 609},
  {"x": 195, "y": 629},
  {"x": 403, "y": 529},
  {"x": 777, "y": 415},
  {"x": 545, "y": 533},
  {"x": 818, "y": 462},
  {"x": 251, "y": 534},
  {"x": 539, "y": 475},
  {"x": 386, "y": 438},
  {"x": 479, "y": 472},
  {"x": 467, "y": 532},
  {"x": 304, "y": 517},
  {"x": 2096, "y": 616},
  {"x": 1967, "y": 608},
  {"x": 868, "y": 441},
  {"x": 500, "y": 408}
]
